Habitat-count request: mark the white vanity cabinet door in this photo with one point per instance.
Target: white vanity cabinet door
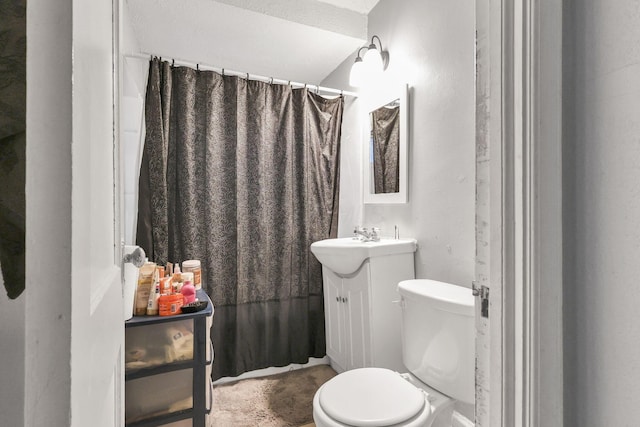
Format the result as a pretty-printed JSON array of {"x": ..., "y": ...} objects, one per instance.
[
  {"x": 347, "y": 319},
  {"x": 355, "y": 294},
  {"x": 334, "y": 323}
]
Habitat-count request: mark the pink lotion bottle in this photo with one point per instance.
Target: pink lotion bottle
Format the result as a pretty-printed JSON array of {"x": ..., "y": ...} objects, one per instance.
[{"x": 188, "y": 292}]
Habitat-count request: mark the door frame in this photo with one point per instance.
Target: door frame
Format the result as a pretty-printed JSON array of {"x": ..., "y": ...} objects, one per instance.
[{"x": 519, "y": 186}]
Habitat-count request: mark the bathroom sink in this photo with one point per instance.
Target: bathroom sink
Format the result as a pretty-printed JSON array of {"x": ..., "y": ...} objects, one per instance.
[{"x": 346, "y": 255}]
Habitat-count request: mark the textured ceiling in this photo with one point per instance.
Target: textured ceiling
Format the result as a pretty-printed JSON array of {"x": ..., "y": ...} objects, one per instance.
[{"x": 298, "y": 40}]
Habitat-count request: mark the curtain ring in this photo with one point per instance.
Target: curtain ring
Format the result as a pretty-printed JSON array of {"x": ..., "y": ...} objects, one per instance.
[
  {"x": 173, "y": 62},
  {"x": 197, "y": 67},
  {"x": 289, "y": 82},
  {"x": 271, "y": 82},
  {"x": 317, "y": 89},
  {"x": 305, "y": 85},
  {"x": 223, "y": 72},
  {"x": 341, "y": 91},
  {"x": 247, "y": 76}
]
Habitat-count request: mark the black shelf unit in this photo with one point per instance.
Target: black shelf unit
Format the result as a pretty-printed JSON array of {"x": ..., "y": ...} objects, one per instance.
[{"x": 201, "y": 333}]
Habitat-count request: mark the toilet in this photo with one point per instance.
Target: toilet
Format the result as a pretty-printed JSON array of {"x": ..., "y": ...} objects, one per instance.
[{"x": 437, "y": 330}]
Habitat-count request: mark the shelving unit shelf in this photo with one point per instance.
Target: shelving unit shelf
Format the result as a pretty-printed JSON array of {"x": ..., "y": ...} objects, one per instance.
[{"x": 168, "y": 363}]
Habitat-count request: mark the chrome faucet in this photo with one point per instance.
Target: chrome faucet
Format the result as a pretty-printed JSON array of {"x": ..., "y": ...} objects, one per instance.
[{"x": 361, "y": 233}]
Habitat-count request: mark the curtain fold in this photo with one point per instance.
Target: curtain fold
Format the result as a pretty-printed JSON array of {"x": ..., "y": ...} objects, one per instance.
[{"x": 243, "y": 175}]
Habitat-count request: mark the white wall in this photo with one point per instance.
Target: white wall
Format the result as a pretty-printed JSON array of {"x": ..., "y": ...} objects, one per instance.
[
  {"x": 602, "y": 212},
  {"x": 134, "y": 77},
  {"x": 431, "y": 47}
]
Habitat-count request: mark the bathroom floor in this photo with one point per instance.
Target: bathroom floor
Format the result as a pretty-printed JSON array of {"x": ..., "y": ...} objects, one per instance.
[{"x": 281, "y": 400}]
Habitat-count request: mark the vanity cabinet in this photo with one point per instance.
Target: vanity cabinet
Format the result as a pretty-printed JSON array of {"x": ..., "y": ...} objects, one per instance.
[
  {"x": 168, "y": 369},
  {"x": 362, "y": 317},
  {"x": 346, "y": 306}
]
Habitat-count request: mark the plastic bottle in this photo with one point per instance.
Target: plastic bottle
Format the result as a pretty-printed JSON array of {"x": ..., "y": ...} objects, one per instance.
[
  {"x": 152, "y": 307},
  {"x": 193, "y": 266},
  {"x": 168, "y": 305},
  {"x": 188, "y": 291},
  {"x": 165, "y": 286},
  {"x": 177, "y": 278},
  {"x": 188, "y": 277},
  {"x": 144, "y": 289}
]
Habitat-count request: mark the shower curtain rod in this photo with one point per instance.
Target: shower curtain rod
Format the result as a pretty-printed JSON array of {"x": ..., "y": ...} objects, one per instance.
[{"x": 227, "y": 72}]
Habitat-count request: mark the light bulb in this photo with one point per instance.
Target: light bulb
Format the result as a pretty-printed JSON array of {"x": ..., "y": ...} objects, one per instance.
[
  {"x": 373, "y": 59},
  {"x": 356, "y": 76}
]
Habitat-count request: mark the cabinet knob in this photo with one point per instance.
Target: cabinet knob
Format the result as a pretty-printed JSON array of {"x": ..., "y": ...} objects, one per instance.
[
  {"x": 338, "y": 299},
  {"x": 344, "y": 299}
]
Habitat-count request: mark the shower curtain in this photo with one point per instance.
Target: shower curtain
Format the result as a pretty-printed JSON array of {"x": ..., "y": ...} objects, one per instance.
[{"x": 243, "y": 175}]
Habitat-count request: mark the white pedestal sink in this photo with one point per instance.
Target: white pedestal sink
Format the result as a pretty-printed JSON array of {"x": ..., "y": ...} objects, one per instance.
[
  {"x": 344, "y": 256},
  {"x": 362, "y": 322}
]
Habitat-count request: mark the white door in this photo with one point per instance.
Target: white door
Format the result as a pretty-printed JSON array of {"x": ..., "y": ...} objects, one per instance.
[
  {"x": 488, "y": 226},
  {"x": 519, "y": 213},
  {"x": 97, "y": 329}
]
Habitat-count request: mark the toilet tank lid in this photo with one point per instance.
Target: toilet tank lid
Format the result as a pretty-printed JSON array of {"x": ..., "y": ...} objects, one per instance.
[{"x": 445, "y": 296}]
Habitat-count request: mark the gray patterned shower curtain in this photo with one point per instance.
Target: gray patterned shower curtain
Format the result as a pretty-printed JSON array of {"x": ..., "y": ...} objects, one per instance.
[{"x": 243, "y": 175}]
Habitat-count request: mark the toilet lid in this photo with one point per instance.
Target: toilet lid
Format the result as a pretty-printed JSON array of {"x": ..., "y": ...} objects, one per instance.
[{"x": 370, "y": 397}]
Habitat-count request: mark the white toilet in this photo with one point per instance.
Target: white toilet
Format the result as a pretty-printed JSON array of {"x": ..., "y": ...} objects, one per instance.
[{"x": 438, "y": 350}]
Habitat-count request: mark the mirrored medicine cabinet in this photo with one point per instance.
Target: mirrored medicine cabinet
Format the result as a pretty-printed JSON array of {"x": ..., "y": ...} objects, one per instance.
[{"x": 386, "y": 145}]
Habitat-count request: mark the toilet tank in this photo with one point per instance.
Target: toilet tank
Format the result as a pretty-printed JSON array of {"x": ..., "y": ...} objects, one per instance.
[{"x": 438, "y": 335}]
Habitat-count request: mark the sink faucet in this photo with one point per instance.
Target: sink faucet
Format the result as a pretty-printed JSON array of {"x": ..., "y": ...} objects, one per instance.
[{"x": 361, "y": 233}]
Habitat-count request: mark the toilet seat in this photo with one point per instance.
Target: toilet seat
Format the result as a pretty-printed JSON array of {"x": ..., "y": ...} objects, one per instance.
[{"x": 370, "y": 397}]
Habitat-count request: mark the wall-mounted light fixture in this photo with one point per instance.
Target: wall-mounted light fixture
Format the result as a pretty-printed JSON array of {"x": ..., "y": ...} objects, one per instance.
[{"x": 370, "y": 66}]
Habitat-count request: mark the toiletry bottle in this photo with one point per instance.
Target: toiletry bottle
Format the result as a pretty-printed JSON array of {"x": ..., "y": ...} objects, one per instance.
[
  {"x": 165, "y": 286},
  {"x": 152, "y": 307},
  {"x": 193, "y": 266},
  {"x": 188, "y": 291},
  {"x": 168, "y": 305},
  {"x": 145, "y": 288},
  {"x": 187, "y": 277},
  {"x": 177, "y": 278}
]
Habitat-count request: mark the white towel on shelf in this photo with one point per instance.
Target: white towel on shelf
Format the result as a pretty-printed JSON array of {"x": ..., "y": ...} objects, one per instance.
[{"x": 459, "y": 420}]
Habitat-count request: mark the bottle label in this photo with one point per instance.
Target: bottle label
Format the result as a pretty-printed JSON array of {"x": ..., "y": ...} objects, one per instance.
[{"x": 196, "y": 277}]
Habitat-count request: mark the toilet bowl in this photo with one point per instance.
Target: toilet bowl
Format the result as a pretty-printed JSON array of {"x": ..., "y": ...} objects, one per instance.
[
  {"x": 438, "y": 350},
  {"x": 376, "y": 397}
]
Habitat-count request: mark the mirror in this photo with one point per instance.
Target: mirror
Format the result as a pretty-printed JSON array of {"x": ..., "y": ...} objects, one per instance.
[
  {"x": 384, "y": 125},
  {"x": 385, "y": 163}
]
